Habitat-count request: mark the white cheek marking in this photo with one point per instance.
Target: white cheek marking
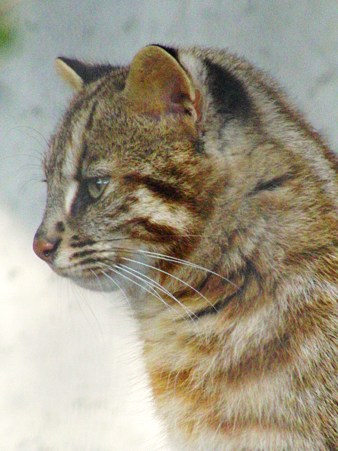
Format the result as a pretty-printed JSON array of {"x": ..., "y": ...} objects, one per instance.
[
  {"x": 70, "y": 196},
  {"x": 160, "y": 213}
]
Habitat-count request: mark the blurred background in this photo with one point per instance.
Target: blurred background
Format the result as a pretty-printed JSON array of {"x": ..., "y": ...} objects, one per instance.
[{"x": 71, "y": 376}]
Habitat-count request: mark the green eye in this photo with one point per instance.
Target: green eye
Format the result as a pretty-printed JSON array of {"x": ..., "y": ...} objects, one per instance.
[{"x": 96, "y": 186}]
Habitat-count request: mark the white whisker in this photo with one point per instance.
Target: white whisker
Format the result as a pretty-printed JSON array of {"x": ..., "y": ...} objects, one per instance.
[
  {"x": 169, "y": 258},
  {"x": 151, "y": 291},
  {"x": 185, "y": 262},
  {"x": 157, "y": 285},
  {"x": 118, "y": 286},
  {"x": 174, "y": 277}
]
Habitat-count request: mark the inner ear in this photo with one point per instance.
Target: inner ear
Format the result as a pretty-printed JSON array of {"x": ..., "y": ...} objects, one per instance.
[
  {"x": 77, "y": 73},
  {"x": 158, "y": 84}
]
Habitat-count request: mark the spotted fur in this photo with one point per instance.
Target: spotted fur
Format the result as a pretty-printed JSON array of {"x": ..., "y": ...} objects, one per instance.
[{"x": 220, "y": 224}]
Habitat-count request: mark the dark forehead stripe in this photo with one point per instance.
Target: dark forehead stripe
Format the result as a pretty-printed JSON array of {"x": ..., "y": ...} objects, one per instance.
[
  {"x": 85, "y": 149},
  {"x": 82, "y": 103},
  {"x": 89, "y": 123},
  {"x": 56, "y": 158},
  {"x": 229, "y": 94},
  {"x": 82, "y": 198},
  {"x": 67, "y": 139},
  {"x": 79, "y": 164}
]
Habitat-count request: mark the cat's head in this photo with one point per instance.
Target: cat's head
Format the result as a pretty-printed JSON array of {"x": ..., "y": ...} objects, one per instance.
[{"x": 127, "y": 171}]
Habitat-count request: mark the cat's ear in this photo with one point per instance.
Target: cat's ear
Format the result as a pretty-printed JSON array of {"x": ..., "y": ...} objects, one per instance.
[
  {"x": 77, "y": 74},
  {"x": 158, "y": 84}
]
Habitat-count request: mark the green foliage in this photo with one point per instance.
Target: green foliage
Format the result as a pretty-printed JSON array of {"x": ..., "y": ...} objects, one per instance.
[{"x": 7, "y": 35}]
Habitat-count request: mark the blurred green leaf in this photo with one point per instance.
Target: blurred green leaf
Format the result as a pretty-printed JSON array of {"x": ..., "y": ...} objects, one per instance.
[{"x": 7, "y": 34}]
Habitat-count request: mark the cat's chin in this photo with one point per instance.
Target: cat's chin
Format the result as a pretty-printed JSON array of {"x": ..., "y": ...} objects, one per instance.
[
  {"x": 100, "y": 284},
  {"x": 95, "y": 282}
]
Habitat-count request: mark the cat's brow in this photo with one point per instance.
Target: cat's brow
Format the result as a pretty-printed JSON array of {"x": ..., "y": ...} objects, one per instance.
[
  {"x": 159, "y": 187},
  {"x": 77, "y": 147},
  {"x": 74, "y": 158}
]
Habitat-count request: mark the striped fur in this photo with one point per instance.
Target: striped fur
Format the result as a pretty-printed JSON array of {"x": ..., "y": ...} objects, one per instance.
[{"x": 220, "y": 224}]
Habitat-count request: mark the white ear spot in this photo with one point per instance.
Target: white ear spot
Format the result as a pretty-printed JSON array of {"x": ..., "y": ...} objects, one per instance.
[{"x": 68, "y": 74}]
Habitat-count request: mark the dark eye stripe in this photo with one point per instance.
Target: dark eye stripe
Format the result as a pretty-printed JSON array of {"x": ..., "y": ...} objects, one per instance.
[
  {"x": 81, "y": 200},
  {"x": 159, "y": 187},
  {"x": 272, "y": 184},
  {"x": 82, "y": 103},
  {"x": 85, "y": 194}
]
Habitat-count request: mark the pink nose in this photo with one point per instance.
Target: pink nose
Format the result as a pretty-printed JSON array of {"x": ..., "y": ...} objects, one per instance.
[{"x": 45, "y": 249}]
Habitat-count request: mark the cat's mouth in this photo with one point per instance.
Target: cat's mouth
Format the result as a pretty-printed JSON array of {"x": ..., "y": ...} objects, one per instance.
[{"x": 124, "y": 273}]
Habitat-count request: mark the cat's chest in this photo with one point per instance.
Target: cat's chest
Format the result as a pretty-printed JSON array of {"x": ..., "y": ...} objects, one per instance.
[{"x": 176, "y": 363}]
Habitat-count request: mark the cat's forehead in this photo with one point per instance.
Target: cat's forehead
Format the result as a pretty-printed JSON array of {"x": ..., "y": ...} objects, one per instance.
[
  {"x": 96, "y": 129},
  {"x": 84, "y": 121}
]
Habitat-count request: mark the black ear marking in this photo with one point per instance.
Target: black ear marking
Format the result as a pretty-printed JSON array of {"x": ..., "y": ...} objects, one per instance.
[
  {"x": 87, "y": 72},
  {"x": 229, "y": 94}
]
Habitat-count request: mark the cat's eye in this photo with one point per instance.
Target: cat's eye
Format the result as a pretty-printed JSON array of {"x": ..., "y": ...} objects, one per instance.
[{"x": 96, "y": 186}]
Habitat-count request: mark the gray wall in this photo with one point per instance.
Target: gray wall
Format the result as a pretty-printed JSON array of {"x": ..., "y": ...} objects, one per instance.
[{"x": 69, "y": 378}]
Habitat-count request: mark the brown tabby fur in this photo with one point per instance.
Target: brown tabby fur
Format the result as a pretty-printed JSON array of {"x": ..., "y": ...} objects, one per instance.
[{"x": 208, "y": 163}]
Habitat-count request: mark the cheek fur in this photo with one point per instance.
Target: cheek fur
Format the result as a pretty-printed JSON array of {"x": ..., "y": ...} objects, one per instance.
[{"x": 160, "y": 212}]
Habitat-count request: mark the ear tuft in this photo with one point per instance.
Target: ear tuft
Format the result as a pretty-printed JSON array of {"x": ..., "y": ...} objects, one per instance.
[{"x": 77, "y": 74}]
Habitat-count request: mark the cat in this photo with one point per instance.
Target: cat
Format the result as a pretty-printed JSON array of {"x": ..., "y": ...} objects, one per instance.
[{"x": 188, "y": 181}]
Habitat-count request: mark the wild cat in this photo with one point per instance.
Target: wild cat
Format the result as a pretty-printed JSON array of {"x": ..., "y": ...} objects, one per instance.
[{"x": 187, "y": 180}]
